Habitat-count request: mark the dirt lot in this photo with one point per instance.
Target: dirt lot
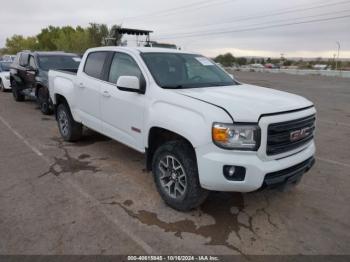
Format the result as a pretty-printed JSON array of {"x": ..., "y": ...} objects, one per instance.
[{"x": 94, "y": 197}]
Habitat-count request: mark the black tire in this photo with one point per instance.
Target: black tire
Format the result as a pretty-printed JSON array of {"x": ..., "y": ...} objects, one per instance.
[
  {"x": 70, "y": 130},
  {"x": 44, "y": 101},
  {"x": 2, "y": 87},
  {"x": 17, "y": 95},
  {"x": 194, "y": 195}
]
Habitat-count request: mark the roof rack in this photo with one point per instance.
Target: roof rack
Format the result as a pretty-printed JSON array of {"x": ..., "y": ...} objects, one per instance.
[{"x": 117, "y": 32}]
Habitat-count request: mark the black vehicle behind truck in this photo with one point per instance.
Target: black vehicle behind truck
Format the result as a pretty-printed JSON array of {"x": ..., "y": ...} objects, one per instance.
[{"x": 29, "y": 75}]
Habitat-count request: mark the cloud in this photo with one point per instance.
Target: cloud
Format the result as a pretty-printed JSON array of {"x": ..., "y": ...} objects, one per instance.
[{"x": 170, "y": 22}]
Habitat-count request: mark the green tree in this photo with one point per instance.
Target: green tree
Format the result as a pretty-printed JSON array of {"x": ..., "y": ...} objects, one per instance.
[
  {"x": 65, "y": 38},
  {"x": 97, "y": 33},
  {"x": 17, "y": 43},
  {"x": 47, "y": 38},
  {"x": 287, "y": 62},
  {"x": 226, "y": 60},
  {"x": 241, "y": 61}
]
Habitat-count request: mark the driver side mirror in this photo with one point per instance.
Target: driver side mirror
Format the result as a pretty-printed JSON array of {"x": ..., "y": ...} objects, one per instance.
[{"x": 129, "y": 84}]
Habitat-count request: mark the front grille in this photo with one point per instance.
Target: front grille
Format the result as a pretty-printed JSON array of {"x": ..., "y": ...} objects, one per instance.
[
  {"x": 279, "y": 135},
  {"x": 288, "y": 174}
]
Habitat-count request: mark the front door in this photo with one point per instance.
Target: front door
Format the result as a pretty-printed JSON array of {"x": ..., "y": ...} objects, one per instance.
[
  {"x": 30, "y": 73},
  {"x": 123, "y": 112}
]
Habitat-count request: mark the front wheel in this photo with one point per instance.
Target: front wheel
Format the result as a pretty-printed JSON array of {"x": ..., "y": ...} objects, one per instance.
[
  {"x": 175, "y": 172},
  {"x": 70, "y": 130},
  {"x": 17, "y": 94}
]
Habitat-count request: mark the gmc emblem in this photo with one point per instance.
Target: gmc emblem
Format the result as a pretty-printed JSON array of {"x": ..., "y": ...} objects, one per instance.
[{"x": 299, "y": 134}]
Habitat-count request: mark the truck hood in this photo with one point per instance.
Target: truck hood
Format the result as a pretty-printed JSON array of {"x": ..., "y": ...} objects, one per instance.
[{"x": 246, "y": 103}]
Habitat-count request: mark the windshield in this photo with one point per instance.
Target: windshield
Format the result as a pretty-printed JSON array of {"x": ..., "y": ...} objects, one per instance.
[
  {"x": 5, "y": 66},
  {"x": 172, "y": 70},
  {"x": 47, "y": 62}
]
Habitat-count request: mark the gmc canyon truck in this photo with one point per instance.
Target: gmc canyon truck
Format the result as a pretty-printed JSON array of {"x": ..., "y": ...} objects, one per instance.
[
  {"x": 29, "y": 75},
  {"x": 199, "y": 128}
]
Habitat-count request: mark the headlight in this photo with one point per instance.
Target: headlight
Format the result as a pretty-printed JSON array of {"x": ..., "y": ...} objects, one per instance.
[
  {"x": 7, "y": 77},
  {"x": 236, "y": 136}
]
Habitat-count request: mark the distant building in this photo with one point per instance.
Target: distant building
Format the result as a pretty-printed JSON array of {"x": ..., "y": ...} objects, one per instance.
[{"x": 320, "y": 67}]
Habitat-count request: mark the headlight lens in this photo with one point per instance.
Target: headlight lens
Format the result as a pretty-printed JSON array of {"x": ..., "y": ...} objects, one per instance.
[
  {"x": 241, "y": 137},
  {"x": 7, "y": 77}
]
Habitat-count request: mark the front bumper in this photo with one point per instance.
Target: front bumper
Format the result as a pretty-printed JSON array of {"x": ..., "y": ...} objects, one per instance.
[
  {"x": 289, "y": 175},
  {"x": 211, "y": 161}
]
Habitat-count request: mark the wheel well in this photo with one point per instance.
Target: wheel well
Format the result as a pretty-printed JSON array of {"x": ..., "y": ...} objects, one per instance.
[
  {"x": 37, "y": 89},
  {"x": 59, "y": 100},
  {"x": 158, "y": 136}
]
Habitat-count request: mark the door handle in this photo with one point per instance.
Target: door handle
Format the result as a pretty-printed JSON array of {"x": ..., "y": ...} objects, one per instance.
[
  {"x": 106, "y": 94},
  {"x": 81, "y": 85}
]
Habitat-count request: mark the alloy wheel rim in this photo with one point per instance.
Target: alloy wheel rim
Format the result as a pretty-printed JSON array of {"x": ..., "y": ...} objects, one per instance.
[
  {"x": 63, "y": 122},
  {"x": 172, "y": 176}
]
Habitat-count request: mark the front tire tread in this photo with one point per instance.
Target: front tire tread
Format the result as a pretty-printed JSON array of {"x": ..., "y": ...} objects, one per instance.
[{"x": 75, "y": 129}]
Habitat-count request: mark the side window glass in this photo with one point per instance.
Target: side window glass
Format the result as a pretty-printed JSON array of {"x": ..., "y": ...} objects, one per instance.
[
  {"x": 17, "y": 59},
  {"x": 123, "y": 65},
  {"x": 94, "y": 64},
  {"x": 23, "y": 61},
  {"x": 32, "y": 62}
]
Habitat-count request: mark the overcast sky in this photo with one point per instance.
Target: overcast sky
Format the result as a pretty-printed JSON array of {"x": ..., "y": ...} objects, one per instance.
[{"x": 243, "y": 27}]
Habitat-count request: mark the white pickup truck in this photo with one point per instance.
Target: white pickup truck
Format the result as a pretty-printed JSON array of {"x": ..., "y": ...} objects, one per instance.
[{"x": 199, "y": 128}]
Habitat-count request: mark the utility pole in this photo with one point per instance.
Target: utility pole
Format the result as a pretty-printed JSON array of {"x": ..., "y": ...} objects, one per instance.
[
  {"x": 282, "y": 59},
  {"x": 336, "y": 64}
]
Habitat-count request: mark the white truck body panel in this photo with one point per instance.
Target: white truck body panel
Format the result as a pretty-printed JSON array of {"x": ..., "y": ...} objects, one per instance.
[
  {"x": 128, "y": 118},
  {"x": 234, "y": 100}
]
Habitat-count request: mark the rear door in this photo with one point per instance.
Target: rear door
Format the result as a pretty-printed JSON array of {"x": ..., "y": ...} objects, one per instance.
[
  {"x": 88, "y": 89},
  {"x": 123, "y": 112}
]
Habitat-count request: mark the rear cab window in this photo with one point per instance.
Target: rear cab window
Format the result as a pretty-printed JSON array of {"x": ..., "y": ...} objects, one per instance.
[{"x": 95, "y": 63}]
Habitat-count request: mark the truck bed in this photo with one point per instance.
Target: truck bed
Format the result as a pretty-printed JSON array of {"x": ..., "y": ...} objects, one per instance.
[{"x": 61, "y": 82}]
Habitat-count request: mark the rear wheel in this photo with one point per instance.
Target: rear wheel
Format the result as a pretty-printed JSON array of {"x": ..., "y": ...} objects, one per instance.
[
  {"x": 17, "y": 94},
  {"x": 70, "y": 130},
  {"x": 43, "y": 101},
  {"x": 176, "y": 176}
]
